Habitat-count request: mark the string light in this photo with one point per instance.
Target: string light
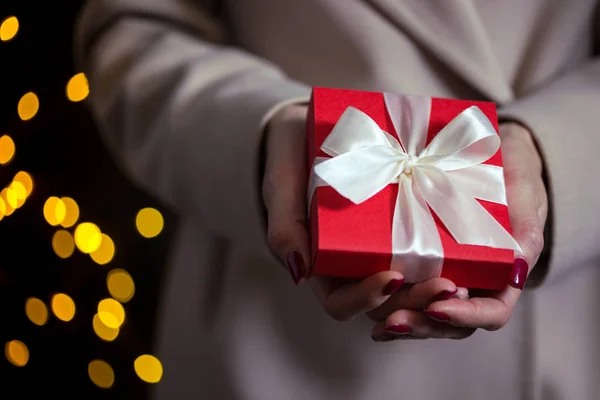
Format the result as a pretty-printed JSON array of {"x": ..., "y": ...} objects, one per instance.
[
  {"x": 25, "y": 179},
  {"x": 63, "y": 307},
  {"x": 102, "y": 331},
  {"x": 36, "y": 311},
  {"x": 101, "y": 374},
  {"x": 78, "y": 88},
  {"x": 63, "y": 243},
  {"x": 111, "y": 313},
  {"x": 120, "y": 285},
  {"x": 71, "y": 212},
  {"x": 16, "y": 353},
  {"x": 149, "y": 222},
  {"x": 105, "y": 252},
  {"x": 9, "y": 28},
  {"x": 54, "y": 210},
  {"x": 88, "y": 237},
  {"x": 7, "y": 149},
  {"x": 28, "y": 106},
  {"x": 148, "y": 368}
]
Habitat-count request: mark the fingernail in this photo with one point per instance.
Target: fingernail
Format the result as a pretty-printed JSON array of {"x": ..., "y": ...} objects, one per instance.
[
  {"x": 399, "y": 329},
  {"x": 445, "y": 295},
  {"x": 295, "y": 264},
  {"x": 384, "y": 338},
  {"x": 518, "y": 276},
  {"x": 438, "y": 316},
  {"x": 392, "y": 287}
]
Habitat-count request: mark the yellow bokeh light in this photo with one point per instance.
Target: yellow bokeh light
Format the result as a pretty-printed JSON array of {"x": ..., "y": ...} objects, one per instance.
[
  {"x": 54, "y": 210},
  {"x": 25, "y": 179},
  {"x": 28, "y": 106},
  {"x": 105, "y": 252},
  {"x": 78, "y": 87},
  {"x": 11, "y": 198},
  {"x": 8, "y": 209},
  {"x": 19, "y": 191},
  {"x": 17, "y": 353},
  {"x": 120, "y": 285},
  {"x": 2, "y": 208},
  {"x": 104, "y": 332},
  {"x": 101, "y": 373},
  {"x": 71, "y": 212},
  {"x": 9, "y": 28},
  {"x": 63, "y": 307},
  {"x": 63, "y": 243},
  {"x": 88, "y": 237},
  {"x": 148, "y": 368},
  {"x": 7, "y": 149},
  {"x": 111, "y": 313},
  {"x": 149, "y": 222},
  {"x": 36, "y": 311}
]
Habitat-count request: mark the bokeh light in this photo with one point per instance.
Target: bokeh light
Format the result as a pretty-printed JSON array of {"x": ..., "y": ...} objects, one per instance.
[
  {"x": 8, "y": 209},
  {"x": 78, "y": 87},
  {"x": 16, "y": 353},
  {"x": 149, "y": 222},
  {"x": 63, "y": 307},
  {"x": 9, "y": 28},
  {"x": 88, "y": 237},
  {"x": 71, "y": 212},
  {"x": 54, "y": 210},
  {"x": 102, "y": 331},
  {"x": 111, "y": 313},
  {"x": 28, "y": 106},
  {"x": 105, "y": 252},
  {"x": 148, "y": 368},
  {"x": 7, "y": 149},
  {"x": 120, "y": 285},
  {"x": 36, "y": 311},
  {"x": 25, "y": 179},
  {"x": 19, "y": 192},
  {"x": 101, "y": 374},
  {"x": 2, "y": 208},
  {"x": 11, "y": 198},
  {"x": 63, "y": 243}
]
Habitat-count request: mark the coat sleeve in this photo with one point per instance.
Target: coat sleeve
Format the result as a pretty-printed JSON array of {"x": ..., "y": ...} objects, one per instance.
[
  {"x": 183, "y": 112},
  {"x": 564, "y": 116}
]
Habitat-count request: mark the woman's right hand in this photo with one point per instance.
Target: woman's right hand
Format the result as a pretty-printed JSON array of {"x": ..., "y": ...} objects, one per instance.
[{"x": 284, "y": 194}]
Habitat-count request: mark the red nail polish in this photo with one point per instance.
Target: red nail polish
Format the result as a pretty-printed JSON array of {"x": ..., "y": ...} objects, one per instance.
[
  {"x": 399, "y": 329},
  {"x": 392, "y": 287},
  {"x": 518, "y": 276},
  {"x": 295, "y": 264},
  {"x": 438, "y": 316},
  {"x": 445, "y": 295}
]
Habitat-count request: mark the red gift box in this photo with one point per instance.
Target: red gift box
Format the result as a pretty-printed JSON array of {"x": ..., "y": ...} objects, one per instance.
[{"x": 353, "y": 240}]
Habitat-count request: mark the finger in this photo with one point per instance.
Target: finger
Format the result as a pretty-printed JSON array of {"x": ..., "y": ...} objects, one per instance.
[
  {"x": 415, "y": 297},
  {"x": 345, "y": 301},
  {"x": 408, "y": 324},
  {"x": 489, "y": 313},
  {"x": 284, "y": 194}
]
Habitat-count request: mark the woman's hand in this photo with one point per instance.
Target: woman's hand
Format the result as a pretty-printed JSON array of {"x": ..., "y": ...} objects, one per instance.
[{"x": 528, "y": 207}]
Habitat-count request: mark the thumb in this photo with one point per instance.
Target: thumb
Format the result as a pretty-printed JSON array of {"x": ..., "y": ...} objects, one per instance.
[{"x": 284, "y": 190}]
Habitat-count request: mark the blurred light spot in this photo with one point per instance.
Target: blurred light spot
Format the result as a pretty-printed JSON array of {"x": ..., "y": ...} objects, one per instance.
[
  {"x": 101, "y": 373},
  {"x": 88, "y": 237},
  {"x": 25, "y": 179},
  {"x": 9, "y": 28},
  {"x": 28, "y": 106},
  {"x": 7, "y": 149},
  {"x": 111, "y": 313},
  {"x": 36, "y": 311},
  {"x": 148, "y": 368},
  {"x": 11, "y": 198},
  {"x": 19, "y": 191},
  {"x": 63, "y": 243},
  {"x": 17, "y": 353},
  {"x": 2, "y": 208},
  {"x": 103, "y": 331},
  {"x": 149, "y": 222},
  {"x": 54, "y": 210},
  {"x": 78, "y": 87},
  {"x": 105, "y": 253},
  {"x": 8, "y": 209},
  {"x": 71, "y": 212},
  {"x": 63, "y": 307},
  {"x": 120, "y": 285}
]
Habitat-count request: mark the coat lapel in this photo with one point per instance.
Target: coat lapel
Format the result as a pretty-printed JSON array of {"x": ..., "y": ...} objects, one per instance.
[{"x": 453, "y": 32}]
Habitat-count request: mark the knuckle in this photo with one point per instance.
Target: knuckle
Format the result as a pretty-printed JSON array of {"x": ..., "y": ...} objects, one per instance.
[{"x": 533, "y": 239}]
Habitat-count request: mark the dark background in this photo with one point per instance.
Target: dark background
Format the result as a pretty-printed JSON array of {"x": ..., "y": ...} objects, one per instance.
[{"x": 62, "y": 152}]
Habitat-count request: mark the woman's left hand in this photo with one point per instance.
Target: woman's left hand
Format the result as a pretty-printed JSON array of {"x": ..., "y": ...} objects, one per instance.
[{"x": 528, "y": 207}]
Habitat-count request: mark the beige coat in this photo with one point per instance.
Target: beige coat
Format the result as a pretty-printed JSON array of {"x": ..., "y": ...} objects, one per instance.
[{"x": 181, "y": 89}]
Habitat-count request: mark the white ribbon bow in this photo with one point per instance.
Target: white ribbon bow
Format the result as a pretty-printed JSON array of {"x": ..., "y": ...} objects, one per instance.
[{"x": 447, "y": 175}]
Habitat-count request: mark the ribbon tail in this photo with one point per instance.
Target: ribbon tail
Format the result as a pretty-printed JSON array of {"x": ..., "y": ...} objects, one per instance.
[
  {"x": 454, "y": 208},
  {"x": 314, "y": 182},
  {"x": 483, "y": 182},
  {"x": 416, "y": 245}
]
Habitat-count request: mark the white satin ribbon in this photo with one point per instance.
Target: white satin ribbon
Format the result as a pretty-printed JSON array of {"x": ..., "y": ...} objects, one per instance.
[{"x": 446, "y": 175}]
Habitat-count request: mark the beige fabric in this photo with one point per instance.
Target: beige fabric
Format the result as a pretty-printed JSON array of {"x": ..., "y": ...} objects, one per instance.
[{"x": 181, "y": 90}]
